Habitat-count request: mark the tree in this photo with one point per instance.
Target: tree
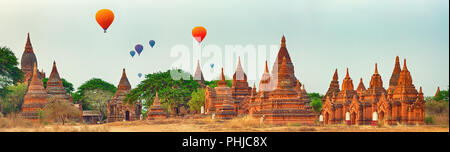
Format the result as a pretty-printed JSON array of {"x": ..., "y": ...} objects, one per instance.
[
  {"x": 66, "y": 84},
  {"x": 12, "y": 102},
  {"x": 213, "y": 83},
  {"x": 172, "y": 93},
  {"x": 197, "y": 99},
  {"x": 9, "y": 72},
  {"x": 316, "y": 104},
  {"x": 60, "y": 110},
  {"x": 97, "y": 99},
  {"x": 92, "y": 84},
  {"x": 314, "y": 95}
]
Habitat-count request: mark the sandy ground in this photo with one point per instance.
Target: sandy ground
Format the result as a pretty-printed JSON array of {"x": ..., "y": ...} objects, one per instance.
[{"x": 208, "y": 125}]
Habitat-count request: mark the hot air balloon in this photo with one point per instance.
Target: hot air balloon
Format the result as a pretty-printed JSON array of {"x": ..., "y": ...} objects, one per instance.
[
  {"x": 104, "y": 18},
  {"x": 132, "y": 53},
  {"x": 152, "y": 43},
  {"x": 199, "y": 33},
  {"x": 139, "y": 75},
  {"x": 212, "y": 65},
  {"x": 139, "y": 49}
]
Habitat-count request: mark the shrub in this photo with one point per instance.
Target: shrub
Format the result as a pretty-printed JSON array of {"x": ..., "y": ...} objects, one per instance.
[{"x": 429, "y": 120}]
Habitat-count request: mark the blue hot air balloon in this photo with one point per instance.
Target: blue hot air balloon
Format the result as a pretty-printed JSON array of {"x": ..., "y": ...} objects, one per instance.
[
  {"x": 212, "y": 65},
  {"x": 139, "y": 48},
  {"x": 132, "y": 53},
  {"x": 139, "y": 75},
  {"x": 152, "y": 43}
]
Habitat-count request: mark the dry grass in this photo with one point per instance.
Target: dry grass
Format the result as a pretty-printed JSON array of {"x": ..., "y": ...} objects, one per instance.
[
  {"x": 243, "y": 122},
  {"x": 14, "y": 121},
  {"x": 206, "y": 124}
]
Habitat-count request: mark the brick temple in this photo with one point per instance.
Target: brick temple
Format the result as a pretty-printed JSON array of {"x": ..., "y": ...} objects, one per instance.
[
  {"x": 280, "y": 100},
  {"x": 156, "y": 111},
  {"x": 116, "y": 109},
  {"x": 400, "y": 103},
  {"x": 36, "y": 97}
]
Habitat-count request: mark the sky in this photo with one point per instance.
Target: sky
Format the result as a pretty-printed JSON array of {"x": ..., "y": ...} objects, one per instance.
[{"x": 321, "y": 35}]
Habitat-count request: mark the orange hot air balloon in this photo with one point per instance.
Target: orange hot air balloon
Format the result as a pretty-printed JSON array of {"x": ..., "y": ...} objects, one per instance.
[
  {"x": 199, "y": 33},
  {"x": 104, "y": 18}
]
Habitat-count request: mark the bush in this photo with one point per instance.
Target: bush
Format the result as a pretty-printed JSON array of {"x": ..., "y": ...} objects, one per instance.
[{"x": 429, "y": 120}]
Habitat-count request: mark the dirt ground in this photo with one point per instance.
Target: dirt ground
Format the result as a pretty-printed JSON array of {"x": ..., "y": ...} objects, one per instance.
[{"x": 209, "y": 125}]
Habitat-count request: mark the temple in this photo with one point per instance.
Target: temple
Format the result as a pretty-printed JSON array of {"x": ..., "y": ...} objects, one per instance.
[
  {"x": 400, "y": 103},
  {"x": 55, "y": 86},
  {"x": 37, "y": 96},
  {"x": 156, "y": 111},
  {"x": 116, "y": 108},
  {"x": 35, "y": 99},
  {"x": 280, "y": 99},
  {"x": 27, "y": 63}
]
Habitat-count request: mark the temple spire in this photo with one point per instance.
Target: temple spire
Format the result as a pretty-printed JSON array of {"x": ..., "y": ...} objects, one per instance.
[
  {"x": 239, "y": 67},
  {"x": 28, "y": 46},
  {"x": 376, "y": 68},
  {"x": 266, "y": 70},
  {"x": 347, "y": 75},
  {"x": 438, "y": 91},
  {"x": 283, "y": 41},
  {"x": 404, "y": 65},
  {"x": 335, "y": 76}
]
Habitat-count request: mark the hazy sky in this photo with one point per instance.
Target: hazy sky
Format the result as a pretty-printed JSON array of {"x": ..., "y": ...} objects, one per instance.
[{"x": 321, "y": 35}]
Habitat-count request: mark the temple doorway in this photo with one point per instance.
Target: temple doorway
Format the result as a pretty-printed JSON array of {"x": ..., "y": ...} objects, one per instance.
[
  {"x": 127, "y": 115},
  {"x": 353, "y": 118},
  {"x": 381, "y": 116},
  {"x": 327, "y": 118}
]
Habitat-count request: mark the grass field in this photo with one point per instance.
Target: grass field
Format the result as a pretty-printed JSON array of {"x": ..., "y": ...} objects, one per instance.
[{"x": 205, "y": 124}]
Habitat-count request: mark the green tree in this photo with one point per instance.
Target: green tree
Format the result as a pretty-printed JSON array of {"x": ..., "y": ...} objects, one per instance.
[
  {"x": 60, "y": 110},
  {"x": 213, "y": 83},
  {"x": 316, "y": 104},
  {"x": 197, "y": 100},
  {"x": 314, "y": 95},
  {"x": 92, "y": 84},
  {"x": 172, "y": 93},
  {"x": 66, "y": 84},
  {"x": 9, "y": 72},
  {"x": 12, "y": 102},
  {"x": 97, "y": 100}
]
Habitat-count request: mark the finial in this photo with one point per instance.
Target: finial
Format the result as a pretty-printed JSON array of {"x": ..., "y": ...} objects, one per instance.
[
  {"x": 303, "y": 87},
  {"x": 266, "y": 68},
  {"x": 376, "y": 68},
  {"x": 397, "y": 59},
  {"x": 404, "y": 64},
  {"x": 420, "y": 90},
  {"x": 347, "y": 75},
  {"x": 283, "y": 41}
]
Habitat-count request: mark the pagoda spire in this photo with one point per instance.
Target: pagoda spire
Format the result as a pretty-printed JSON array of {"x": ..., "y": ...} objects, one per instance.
[
  {"x": 124, "y": 84},
  {"x": 404, "y": 65},
  {"x": 347, "y": 75},
  {"x": 283, "y": 41},
  {"x": 156, "y": 101},
  {"x": 438, "y": 91},
  {"x": 222, "y": 82},
  {"x": 376, "y": 68},
  {"x": 28, "y": 46},
  {"x": 266, "y": 70},
  {"x": 347, "y": 83},
  {"x": 335, "y": 76},
  {"x": 198, "y": 75}
]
